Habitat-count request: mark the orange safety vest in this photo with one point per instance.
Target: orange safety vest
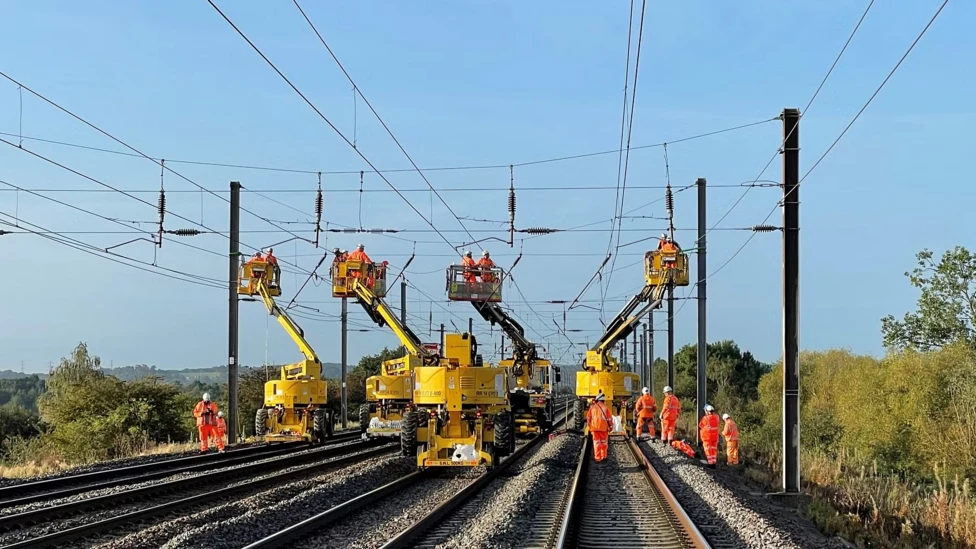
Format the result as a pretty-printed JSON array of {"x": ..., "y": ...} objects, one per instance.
[
  {"x": 708, "y": 426},
  {"x": 646, "y": 406},
  {"x": 469, "y": 268},
  {"x": 221, "y": 425},
  {"x": 683, "y": 446},
  {"x": 203, "y": 419},
  {"x": 671, "y": 407},
  {"x": 731, "y": 431},
  {"x": 598, "y": 418},
  {"x": 359, "y": 255},
  {"x": 270, "y": 259}
]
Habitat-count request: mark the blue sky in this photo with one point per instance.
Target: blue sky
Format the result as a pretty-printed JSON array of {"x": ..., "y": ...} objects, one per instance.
[{"x": 473, "y": 83}]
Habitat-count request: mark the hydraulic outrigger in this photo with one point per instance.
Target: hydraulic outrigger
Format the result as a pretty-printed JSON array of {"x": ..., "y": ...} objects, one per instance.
[
  {"x": 531, "y": 377},
  {"x": 294, "y": 405},
  {"x": 601, "y": 371},
  {"x": 448, "y": 405}
]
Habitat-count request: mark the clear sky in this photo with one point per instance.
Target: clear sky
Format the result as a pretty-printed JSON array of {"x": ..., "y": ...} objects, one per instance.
[{"x": 474, "y": 83}]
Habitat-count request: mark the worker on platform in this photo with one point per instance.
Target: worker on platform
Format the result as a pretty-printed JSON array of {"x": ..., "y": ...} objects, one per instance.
[
  {"x": 731, "y": 433},
  {"x": 486, "y": 265},
  {"x": 360, "y": 254},
  {"x": 271, "y": 260},
  {"x": 470, "y": 268},
  {"x": 645, "y": 408},
  {"x": 708, "y": 433},
  {"x": 206, "y": 413},
  {"x": 670, "y": 409},
  {"x": 255, "y": 257},
  {"x": 221, "y": 426},
  {"x": 661, "y": 241},
  {"x": 599, "y": 420}
]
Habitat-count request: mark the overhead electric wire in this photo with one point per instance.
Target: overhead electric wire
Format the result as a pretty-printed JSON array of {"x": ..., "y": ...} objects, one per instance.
[
  {"x": 159, "y": 162},
  {"x": 112, "y": 256},
  {"x": 802, "y": 113},
  {"x": 357, "y": 90},
  {"x": 396, "y": 170},
  {"x": 842, "y": 133},
  {"x": 327, "y": 121}
]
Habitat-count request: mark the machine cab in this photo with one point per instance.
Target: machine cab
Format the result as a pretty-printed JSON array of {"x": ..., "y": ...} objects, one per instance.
[
  {"x": 657, "y": 263},
  {"x": 342, "y": 272},
  {"x": 251, "y": 273},
  {"x": 474, "y": 283}
]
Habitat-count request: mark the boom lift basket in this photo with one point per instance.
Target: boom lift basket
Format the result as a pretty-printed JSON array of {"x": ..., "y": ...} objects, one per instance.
[
  {"x": 658, "y": 262},
  {"x": 372, "y": 273},
  {"x": 474, "y": 288},
  {"x": 251, "y": 273}
]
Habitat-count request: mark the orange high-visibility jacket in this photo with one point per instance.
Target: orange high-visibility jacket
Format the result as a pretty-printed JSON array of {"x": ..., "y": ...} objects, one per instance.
[
  {"x": 359, "y": 255},
  {"x": 646, "y": 406},
  {"x": 708, "y": 426},
  {"x": 221, "y": 425},
  {"x": 670, "y": 408},
  {"x": 598, "y": 417},
  {"x": 731, "y": 431},
  {"x": 683, "y": 446},
  {"x": 270, "y": 259},
  {"x": 203, "y": 419},
  {"x": 469, "y": 268}
]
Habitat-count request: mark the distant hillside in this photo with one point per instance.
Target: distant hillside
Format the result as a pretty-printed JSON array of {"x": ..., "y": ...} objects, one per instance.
[{"x": 213, "y": 374}]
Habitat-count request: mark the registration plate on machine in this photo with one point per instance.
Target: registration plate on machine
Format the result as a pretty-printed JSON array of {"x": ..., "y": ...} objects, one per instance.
[{"x": 450, "y": 463}]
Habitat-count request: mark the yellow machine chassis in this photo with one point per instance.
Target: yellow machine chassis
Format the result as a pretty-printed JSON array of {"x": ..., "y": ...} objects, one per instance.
[
  {"x": 617, "y": 388},
  {"x": 390, "y": 395},
  {"x": 467, "y": 396}
]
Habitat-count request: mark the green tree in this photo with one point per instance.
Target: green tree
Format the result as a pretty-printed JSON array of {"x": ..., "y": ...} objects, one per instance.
[
  {"x": 946, "y": 309},
  {"x": 369, "y": 365}
]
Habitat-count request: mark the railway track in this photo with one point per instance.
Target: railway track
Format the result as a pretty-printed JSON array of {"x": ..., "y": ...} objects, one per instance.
[
  {"x": 41, "y": 490},
  {"x": 437, "y": 517},
  {"x": 337, "y": 456},
  {"x": 623, "y": 502}
]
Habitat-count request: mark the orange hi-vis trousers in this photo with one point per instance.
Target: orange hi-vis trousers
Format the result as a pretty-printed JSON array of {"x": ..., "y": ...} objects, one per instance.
[
  {"x": 206, "y": 431},
  {"x": 711, "y": 451},
  {"x": 645, "y": 421},
  {"x": 667, "y": 430},
  {"x": 732, "y": 452},
  {"x": 600, "y": 439}
]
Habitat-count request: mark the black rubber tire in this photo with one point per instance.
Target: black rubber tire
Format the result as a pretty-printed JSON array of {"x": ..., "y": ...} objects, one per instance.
[
  {"x": 504, "y": 440},
  {"x": 408, "y": 434},
  {"x": 363, "y": 417},
  {"x": 320, "y": 420},
  {"x": 330, "y": 425},
  {"x": 261, "y": 422},
  {"x": 579, "y": 415}
]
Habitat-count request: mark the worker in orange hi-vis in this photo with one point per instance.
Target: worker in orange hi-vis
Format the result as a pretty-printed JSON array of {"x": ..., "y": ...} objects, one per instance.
[
  {"x": 645, "y": 407},
  {"x": 272, "y": 261},
  {"x": 670, "y": 409},
  {"x": 684, "y": 447},
  {"x": 206, "y": 413},
  {"x": 470, "y": 268},
  {"x": 360, "y": 255},
  {"x": 486, "y": 265},
  {"x": 708, "y": 432},
  {"x": 221, "y": 426},
  {"x": 731, "y": 433},
  {"x": 599, "y": 420}
]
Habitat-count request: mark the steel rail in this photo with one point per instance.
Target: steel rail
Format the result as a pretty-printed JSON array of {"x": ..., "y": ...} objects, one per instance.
[
  {"x": 27, "y": 518},
  {"x": 206, "y": 498},
  {"x": 17, "y": 491}
]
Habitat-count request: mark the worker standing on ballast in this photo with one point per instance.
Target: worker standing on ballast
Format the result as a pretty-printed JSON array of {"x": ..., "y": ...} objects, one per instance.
[
  {"x": 731, "y": 433},
  {"x": 221, "y": 426},
  {"x": 670, "y": 409},
  {"x": 486, "y": 265},
  {"x": 645, "y": 407},
  {"x": 470, "y": 268},
  {"x": 599, "y": 420},
  {"x": 206, "y": 413},
  {"x": 708, "y": 433}
]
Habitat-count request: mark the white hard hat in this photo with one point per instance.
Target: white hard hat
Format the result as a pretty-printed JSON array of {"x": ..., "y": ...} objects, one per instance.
[
  {"x": 468, "y": 253},
  {"x": 600, "y": 397},
  {"x": 220, "y": 414},
  {"x": 342, "y": 251},
  {"x": 708, "y": 408},
  {"x": 485, "y": 253},
  {"x": 646, "y": 391},
  {"x": 206, "y": 397},
  {"x": 726, "y": 416},
  {"x": 668, "y": 389},
  {"x": 360, "y": 247},
  {"x": 664, "y": 235}
]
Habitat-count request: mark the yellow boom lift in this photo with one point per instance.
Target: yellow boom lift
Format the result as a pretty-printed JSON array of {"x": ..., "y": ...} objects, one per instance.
[
  {"x": 447, "y": 408},
  {"x": 601, "y": 371},
  {"x": 294, "y": 406},
  {"x": 531, "y": 378}
]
